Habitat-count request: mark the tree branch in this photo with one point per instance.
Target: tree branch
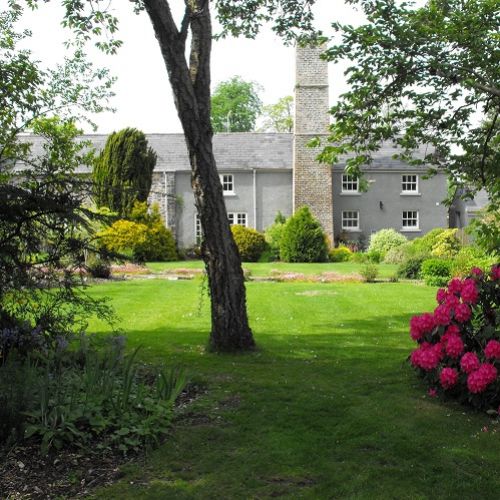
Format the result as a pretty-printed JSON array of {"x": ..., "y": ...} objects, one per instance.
[
  {"x": 455, "y": 78},
  {"x": 185, "y": 23}
]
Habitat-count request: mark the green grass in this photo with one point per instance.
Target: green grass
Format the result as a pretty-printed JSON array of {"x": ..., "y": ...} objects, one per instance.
[
  {"x": 264, "y": 269},
  {"x": 326, "y": 408}
]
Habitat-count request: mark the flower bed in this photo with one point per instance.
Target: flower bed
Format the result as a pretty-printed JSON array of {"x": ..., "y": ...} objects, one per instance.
[{"x": 458, "y": 350}]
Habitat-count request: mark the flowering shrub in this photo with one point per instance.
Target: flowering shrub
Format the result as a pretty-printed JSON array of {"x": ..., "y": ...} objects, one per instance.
[
  {"x": 386, "y": 239},
  {"x": 458, "y": 350}
]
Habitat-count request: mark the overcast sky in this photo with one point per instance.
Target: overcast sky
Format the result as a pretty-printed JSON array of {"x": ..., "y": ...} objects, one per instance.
[{"x": 143, "y": 96}]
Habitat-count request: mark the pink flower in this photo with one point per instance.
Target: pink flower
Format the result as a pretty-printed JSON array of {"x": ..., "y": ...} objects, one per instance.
[
  {"x": 442, "y": 314},
  {"x": 492, "y": 349},
  {"x": 469, "y": 362},
  {"x": 462, "y": 313},
  {"x": 479, "y": 380},
  {"x": 427, "y": 321},
  {"x": 469, "y": 291},
  {"x": 433, "y": 393},
  {"x": 476, "y": 272},
  {"x": 441, "y": 295},
  {"x": 427, "y": 356},
  {"x": 420, "y": 325},
  {"x": 455, "y": 285},
  {"x": 495, "y": 272},
  {"x": 448, "y": 377},
  {"x": 452, "y": 301},
  {"x": 454, "y": 346},
  {"x": 452, "y": 330}
]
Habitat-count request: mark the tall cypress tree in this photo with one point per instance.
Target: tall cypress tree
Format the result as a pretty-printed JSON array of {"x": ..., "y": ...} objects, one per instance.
[{"x": 123, "y": 172}]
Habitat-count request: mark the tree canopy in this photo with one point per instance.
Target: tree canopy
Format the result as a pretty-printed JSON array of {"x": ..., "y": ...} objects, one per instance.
[
  {"x": 123, "y": 172},
  {"x": 278, "y": 117},
  {"x": 427, "y": 79},
  {"x": 235, "y": 106},
  {"x": 44, "y": 226}
]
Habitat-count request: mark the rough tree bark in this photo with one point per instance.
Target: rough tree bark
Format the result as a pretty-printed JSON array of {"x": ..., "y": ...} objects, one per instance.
[{"x": 191, "y": 88}]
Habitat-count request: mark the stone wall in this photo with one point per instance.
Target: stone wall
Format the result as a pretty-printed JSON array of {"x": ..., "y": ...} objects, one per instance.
[
  {"x": 312, "y": 181},
  {"x": 163, "y": 193}
]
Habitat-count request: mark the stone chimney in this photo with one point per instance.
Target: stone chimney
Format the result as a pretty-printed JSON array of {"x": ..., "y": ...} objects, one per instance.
[{"x": 312, "y": 181}]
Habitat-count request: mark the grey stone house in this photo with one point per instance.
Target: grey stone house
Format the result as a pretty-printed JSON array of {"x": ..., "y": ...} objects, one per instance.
[{"x": 263, "y": 173}]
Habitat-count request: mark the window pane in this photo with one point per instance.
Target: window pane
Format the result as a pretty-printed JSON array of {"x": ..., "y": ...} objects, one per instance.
[
  {"x": 409, "y": 182},
  {"x": 242, "y": 219},
  {"x": 350, "y": 219},
  {"x": 227, "y": 182},
  {"x": 349, "y": 183}
]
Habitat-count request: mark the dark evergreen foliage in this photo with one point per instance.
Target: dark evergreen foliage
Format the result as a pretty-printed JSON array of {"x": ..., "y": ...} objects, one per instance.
[
  {"x": 45, "y": 229},
  {"x": 303, "y": 239},
  {"x": 123, "y": 173}
]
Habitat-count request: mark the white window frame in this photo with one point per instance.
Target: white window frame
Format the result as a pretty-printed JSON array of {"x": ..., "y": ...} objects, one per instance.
[
  {"x": 350, "y": 184},
  {"x": 238, "y": 218},
  {"x": 350, "y": 216},
  {"x": 198, "y": 230},
  {"x": 227, "y": 182},
  {"x": 410, "y": 216},
  {"x": 408, "y": 181}
]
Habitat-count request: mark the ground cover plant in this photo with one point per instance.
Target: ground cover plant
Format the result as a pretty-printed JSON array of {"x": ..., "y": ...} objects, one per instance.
[
  {"x": 326, "y": 407},
  {"x": 84, "y": 394}
]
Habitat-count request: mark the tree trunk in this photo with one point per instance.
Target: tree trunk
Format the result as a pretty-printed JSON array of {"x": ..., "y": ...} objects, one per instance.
[{"x": 191, "y": 88}]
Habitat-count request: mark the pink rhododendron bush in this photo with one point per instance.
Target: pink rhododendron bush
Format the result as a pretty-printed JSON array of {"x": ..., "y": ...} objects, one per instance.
[{"x": 458, "y": 350}]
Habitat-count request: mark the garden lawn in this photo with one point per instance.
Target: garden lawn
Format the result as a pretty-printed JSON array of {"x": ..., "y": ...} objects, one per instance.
[
  {"x": 265, "y": 269},
  {"x": 326, "y": 408}
]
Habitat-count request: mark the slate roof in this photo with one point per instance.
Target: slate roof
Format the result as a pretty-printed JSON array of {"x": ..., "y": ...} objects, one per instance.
[
  {"x": 234, "y": 151},
  {"x": 383, "y": 160},
  {"x": 238, "y": 151},
  {"x": 477, "y": 203}
]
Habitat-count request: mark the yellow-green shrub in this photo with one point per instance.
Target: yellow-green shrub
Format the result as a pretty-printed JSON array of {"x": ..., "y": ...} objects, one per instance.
[
  {"x": 250, "y": 243},
  {"x": 447, "y": 244},
  {"x": 469, "y": 257},
  {"x": 340, "y": 254},
  {"x": 138, "y": 241},
  {"x": 123, "y": 236}
]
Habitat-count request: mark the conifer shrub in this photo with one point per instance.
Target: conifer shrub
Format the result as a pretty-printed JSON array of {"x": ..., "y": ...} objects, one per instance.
[
  {"x": 384, "y": 240},
  {"x": 303, "y": 239},
  {"x": 251, "y": 244},
  {"x": 458, "y": 352},
  {"x": 340, "y": 254},
  {"x": 123, "y": 172}
]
